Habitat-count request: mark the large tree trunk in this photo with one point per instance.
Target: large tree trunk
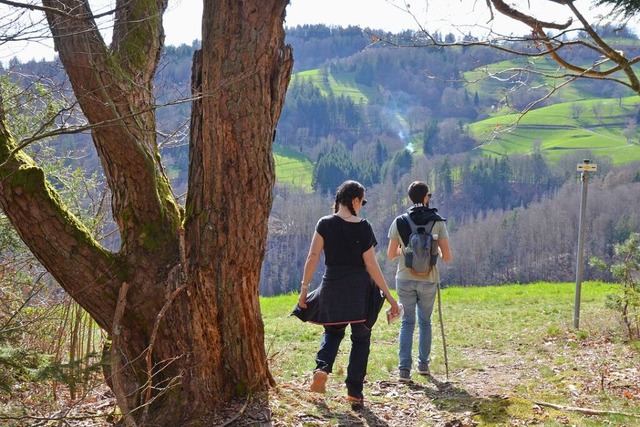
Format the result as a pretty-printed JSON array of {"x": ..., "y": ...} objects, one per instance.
[
  {"x": 180, "y": 297},
  {"x": 231, "y": 178}
]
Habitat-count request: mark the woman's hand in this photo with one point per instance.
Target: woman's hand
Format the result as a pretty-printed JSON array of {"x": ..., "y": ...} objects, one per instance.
[
  {"x": 395, "y": 310},
  {"x": 302, "y": 299}
]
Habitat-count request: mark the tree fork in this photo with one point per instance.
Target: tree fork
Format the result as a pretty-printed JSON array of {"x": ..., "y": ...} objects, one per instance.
[{"x": 181, "y": 304}]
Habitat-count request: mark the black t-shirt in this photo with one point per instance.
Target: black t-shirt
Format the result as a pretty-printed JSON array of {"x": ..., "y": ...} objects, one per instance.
[{"x": 345, "y": 242}]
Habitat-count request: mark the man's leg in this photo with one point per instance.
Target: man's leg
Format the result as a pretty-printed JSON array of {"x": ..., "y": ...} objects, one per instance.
[
  {"x": 426, "y": 299},
  {"x": 407, "y": 295}
]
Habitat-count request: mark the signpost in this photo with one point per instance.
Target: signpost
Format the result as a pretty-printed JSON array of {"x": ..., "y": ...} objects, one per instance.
[{"x": 585, "y": 167}]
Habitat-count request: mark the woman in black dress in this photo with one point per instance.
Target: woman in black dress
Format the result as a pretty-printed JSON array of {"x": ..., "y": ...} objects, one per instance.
[{"x": 348, "y": 294}]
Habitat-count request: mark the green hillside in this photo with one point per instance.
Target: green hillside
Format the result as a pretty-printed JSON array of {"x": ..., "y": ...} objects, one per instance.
[
  {"x": 491, "y": 81},
  {"x": 575, "y": 116},
  {"x": 292, "y": 167},
  {"x": 598, "y": 125},
  {"x": 336, "y": 84}
]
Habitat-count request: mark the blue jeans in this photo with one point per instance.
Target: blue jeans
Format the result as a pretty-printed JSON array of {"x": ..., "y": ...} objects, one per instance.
[
  {"x": 416, "y": 297},
  {"x": 358, "y": 357}
]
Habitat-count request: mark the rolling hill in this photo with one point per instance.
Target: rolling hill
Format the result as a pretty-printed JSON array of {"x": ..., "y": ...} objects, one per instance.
[
  {"x": 570, "y": 119},
  {"x": 605, "y": 127}
]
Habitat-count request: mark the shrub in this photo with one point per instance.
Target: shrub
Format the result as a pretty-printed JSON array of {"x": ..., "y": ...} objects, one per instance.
[{"x": 627, "y": 270}]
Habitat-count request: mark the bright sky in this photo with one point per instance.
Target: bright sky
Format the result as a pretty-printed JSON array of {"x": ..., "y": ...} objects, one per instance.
[
  {"x": 183, "y": 17},
  {"x": 392, "y": 15}
]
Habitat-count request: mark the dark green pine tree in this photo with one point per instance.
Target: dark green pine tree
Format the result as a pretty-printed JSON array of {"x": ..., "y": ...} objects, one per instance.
[
  {"x": 332, "y": 169},
  {"x": 626, "y": 7},
  {"x": 400, "y": 164},
  {"x": 445, "y": 179},
  {"x": 429, "y": 138},
  {"x": 381, "y": 154}
]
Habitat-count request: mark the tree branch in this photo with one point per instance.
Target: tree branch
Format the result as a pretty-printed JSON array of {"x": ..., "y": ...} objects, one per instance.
[
  {"x": 54, "y": 234},
  {"x": 115, "y": 86},
  {"x": 116, "y": 362},
  {"x": 152, "y": 340},
  {"x": 546, "y": 45},
  {"x": 587, "y": 411},
  {"x": 55, "y": 10},
  {"x": 532, "y": 22}
]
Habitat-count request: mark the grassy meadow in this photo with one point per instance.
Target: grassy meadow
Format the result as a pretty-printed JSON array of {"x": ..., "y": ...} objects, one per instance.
[
  {"x": 292, "y": 167},
  {"x": 558, "y": 129},
  {"x": 576, "y": 121},
  {"x": 490, "y": 79},
  {"x": 512, "y": 350},
  {"x": 337, "y": 84}
]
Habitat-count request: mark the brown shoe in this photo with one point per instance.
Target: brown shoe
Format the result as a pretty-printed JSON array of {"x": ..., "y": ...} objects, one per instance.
[
  {"x": 319, "y": 384},
  {"x": 357, "y": 403}
]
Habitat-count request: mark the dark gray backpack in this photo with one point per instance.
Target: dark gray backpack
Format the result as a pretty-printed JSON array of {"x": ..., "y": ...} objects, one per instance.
[{"x": 421, "y": 249}]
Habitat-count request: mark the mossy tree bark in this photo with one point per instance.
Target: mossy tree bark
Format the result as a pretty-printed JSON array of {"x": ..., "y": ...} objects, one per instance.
[{"x": 180, "y": 297}]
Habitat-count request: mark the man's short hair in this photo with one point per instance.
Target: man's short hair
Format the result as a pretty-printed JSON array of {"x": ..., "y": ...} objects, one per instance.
[{"x": 417, "y": 191}]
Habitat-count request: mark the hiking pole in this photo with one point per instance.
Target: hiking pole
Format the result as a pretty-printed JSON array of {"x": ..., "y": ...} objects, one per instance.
[{"x": 444, "y": 340}]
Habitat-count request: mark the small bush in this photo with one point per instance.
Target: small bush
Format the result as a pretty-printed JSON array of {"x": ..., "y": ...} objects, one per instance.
[{"x": 627, "y": 270}]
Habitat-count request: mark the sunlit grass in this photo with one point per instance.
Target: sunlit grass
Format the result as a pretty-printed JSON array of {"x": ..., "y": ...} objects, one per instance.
[
  {"x": 337, "y": 84},
  {"x": 527, "y": 329},
  {"x": 557, "y": 130},
  {"x": 514, "y": 317},
  {"x": 292, "y": 167}
]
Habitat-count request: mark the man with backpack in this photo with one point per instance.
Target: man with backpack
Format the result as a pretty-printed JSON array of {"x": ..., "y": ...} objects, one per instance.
[{"x": 419, "y": 237}]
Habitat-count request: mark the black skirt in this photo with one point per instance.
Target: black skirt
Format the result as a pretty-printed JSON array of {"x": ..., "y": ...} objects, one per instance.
[{"x": 346, "y": 295}]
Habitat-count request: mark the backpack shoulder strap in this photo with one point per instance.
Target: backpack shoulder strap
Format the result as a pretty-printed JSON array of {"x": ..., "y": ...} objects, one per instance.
[
  {"x": 430, "y": 225},
  {"x": 405, "y": 227}
]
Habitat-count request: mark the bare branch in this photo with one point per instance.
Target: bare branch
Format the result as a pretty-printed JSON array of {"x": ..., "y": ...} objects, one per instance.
[
  {"x": 116, "y": 362},
  {"x": 588, "y": 411},
  {"x": 58, "y": 11},
  {"x": 152, "y": 339},
  {"x": 539, "y": 43},
  {"x": 532, "y": 22}
]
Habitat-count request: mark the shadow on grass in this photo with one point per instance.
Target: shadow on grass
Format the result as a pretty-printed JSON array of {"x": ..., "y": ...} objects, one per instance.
[
  {"x": 398, "y": 404},
  {"x": 357, "y": 416},
  {"x": 450, "y": 398},
  {"x": 446, "y": 401}
]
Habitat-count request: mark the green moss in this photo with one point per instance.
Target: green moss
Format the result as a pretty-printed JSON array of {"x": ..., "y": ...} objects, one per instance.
[
  {"x": 32, "y": 181},
  {"x": 26, "y": 177},
  {"x": 167, "y": 200},
  {"x": 152, "y": 237},
  {"x": 143, "y": 18},
  {"x": 241, "y": 389},
  {"x": 494, "y": 411},
  {"x": 582, "y": 335}
]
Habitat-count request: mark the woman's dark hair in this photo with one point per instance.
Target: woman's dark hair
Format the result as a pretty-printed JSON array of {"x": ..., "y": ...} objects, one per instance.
[
  {"x": 345, "y": 194},
  {"x": 417, "y": 191}
]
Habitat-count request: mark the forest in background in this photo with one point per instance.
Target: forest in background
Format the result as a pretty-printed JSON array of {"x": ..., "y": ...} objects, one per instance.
[
  {"x": 361, "y": 108},
  {"x": 387, "y": 116}
]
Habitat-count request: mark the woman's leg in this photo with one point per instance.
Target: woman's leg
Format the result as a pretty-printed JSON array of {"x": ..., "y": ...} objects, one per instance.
[
  {"x": 329, "y": 346},
  {"x": 358, "y": 359}
]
